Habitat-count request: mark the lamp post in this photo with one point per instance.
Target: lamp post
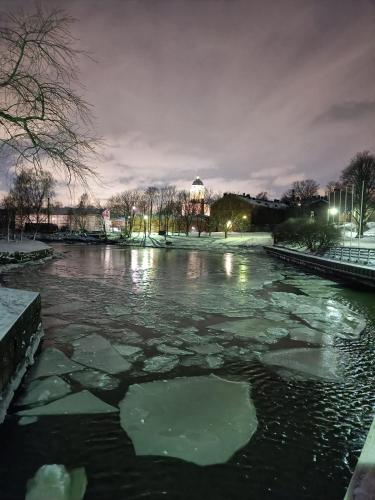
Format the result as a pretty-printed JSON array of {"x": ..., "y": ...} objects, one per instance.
[
  {"x": 332, "y": 211},
  {"x": 244, "y": 218},
  {"x": 227, "y": 227},
  {"x": 145, "y": 224}
]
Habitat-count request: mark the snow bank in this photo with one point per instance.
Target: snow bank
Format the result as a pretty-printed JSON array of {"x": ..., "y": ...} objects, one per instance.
[{"x": 215, "y": 242}]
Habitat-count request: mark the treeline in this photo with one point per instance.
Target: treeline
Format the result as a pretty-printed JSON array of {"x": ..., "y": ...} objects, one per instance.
[{"x": 163, "y": 208}]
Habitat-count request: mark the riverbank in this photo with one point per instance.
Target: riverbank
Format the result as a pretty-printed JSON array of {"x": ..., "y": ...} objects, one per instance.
[
  {"x": 355, "y": 274},
  {"x": 215, "y": 242},
  {"x": 20, "y": 252}
]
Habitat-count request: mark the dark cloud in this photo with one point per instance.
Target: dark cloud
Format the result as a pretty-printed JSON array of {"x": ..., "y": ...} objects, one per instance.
[{"x": 346, "y": 111}]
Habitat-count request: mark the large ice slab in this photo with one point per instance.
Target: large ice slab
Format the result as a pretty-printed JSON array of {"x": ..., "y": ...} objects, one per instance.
[
  {"x": 52, "y": 362},
  {"x": 54, "y": 482},
  {"x": 74, "y": 404},
  {"x": 42, "y": 391},
  {"x": 204, "y": 420},
  {"x": 95, "y": 351},
  {"x": 323, "y": 363}
]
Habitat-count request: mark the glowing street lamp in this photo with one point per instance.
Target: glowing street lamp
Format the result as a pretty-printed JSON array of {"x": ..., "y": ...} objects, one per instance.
[{"x": 333, "y": 211}]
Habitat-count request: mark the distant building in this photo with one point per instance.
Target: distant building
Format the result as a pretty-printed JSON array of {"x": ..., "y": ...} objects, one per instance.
[
  {"x": 243, "y": 212},
  {"x": 198, "y": 197},
  {"x": 197, "y": 190}
]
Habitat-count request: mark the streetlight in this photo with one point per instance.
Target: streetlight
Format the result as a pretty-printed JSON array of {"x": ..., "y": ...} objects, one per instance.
[
  {"x": 332, "y": 211},
  {"x": 228, "y": 225}
]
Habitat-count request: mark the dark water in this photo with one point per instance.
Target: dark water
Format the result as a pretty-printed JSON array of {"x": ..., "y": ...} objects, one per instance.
[{"x": 310, "y": 432}]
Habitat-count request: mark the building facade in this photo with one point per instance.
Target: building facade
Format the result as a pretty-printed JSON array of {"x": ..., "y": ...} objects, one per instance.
[{"x": 244, "y": 213}]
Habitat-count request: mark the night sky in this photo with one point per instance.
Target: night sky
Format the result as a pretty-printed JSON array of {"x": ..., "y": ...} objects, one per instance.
[{"x": 250, "y": 95}]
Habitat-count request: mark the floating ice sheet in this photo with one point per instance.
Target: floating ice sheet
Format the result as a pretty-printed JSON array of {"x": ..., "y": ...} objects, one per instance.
[
  {"x": 315, "y": 287},
  {"x": 259, "y": 329},
  {"x": 160, "y": 364},
  {"x": 327, "y": 315},
  {"x": 42, "y": 391},
  {"x": 27, "y": 420},
  {"x": 128, "y": 351},
  {"x": 207, "y": 348},
  {"x": 92, "y": 379},
  {"x": 204, "y": 420},
  {"x": 74, "y": 404},
  {"x": 52, "y": 362},
  {"x": 95, "y": 351},
  {"x": 54, "y": 482},
  {"x": 72, "y": 332},
  {"x": 167, "y": 349},
  {"x": 310, "y": 363}
]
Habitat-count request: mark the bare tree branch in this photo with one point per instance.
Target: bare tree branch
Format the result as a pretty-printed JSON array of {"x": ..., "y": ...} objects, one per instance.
[{"x": 43, "y": 119}]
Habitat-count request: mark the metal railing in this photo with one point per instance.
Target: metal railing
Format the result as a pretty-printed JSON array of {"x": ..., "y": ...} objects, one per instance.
[{"x": 364, "y": 256}]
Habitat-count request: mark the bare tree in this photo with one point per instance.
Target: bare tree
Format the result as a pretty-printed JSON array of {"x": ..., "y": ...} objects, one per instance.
[
  {"x": 170, "y": 194},
  {"x": 19, "y": 198},
  {"x": 263, "y": 195},
  {"x": 151, "y": 195},
  {"x": 301, "y": 191},
  {"x": 43, "y": 120},
  {"x": 10, "y": 208},
  {"x": 40, "y": 190},
  {"x": 359, "y": 177},
  {"x": 187, "y": 209},
  {"x": 126, "y": 205},
  {"x": 81, "y": 213}
]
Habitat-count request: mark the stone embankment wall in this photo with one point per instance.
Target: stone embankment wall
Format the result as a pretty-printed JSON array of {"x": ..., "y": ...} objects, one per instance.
[
  {"x": 20, "y": 334},
  {"x": 20, "y": 257}
]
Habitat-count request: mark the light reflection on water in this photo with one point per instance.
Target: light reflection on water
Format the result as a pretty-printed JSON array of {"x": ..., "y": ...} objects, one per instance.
[{"x": 309, "y": 433}]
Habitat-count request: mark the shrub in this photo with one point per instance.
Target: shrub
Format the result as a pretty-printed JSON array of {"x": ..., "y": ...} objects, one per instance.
[{"x": 312, "y": 234}]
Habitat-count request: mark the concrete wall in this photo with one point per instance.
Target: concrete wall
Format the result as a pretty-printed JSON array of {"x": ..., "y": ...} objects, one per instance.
[{"x": 20, "y": 333}]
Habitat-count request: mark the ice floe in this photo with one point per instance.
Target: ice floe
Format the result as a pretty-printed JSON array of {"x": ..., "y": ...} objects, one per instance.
[
  {"x": 207, "y": 348},
  {"x": 166, "y": 349},
  {"x": 258, "y": 329},
  {"x": 129, "y": 351},
  {"x": 309, "y": 363},
  {"x": 160, "y": 364},
  {"x": 327, "y": 315},
  {"x": 54, "y": 482},
  {"x": 74, "y": 404},
  {"x": 72, "y": 332},
  {"x": 203, "y": 420},
  {"x": 27, "y": 420},
  {"x": 92, "y": 379},
  {"x": 52, "y": 362},
  {"x": 42, "y": 391},
  {"x": 95, "y": 351}
]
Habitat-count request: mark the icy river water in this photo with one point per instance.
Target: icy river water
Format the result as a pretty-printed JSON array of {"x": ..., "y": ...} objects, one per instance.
[{"x": 192, "y": 375}]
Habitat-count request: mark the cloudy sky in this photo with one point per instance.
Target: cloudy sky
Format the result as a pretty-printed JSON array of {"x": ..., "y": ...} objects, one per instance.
[{"x": 249, "y": 94}]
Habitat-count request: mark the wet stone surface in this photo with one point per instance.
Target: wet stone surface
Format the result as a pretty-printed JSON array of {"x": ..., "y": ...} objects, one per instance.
[{"x": 121, "y": 321}]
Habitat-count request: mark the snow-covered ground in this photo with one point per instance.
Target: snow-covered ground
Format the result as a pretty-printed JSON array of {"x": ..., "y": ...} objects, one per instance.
[
  {"x": 24, "y": 246},
  {"x": 216, "y": 241}
]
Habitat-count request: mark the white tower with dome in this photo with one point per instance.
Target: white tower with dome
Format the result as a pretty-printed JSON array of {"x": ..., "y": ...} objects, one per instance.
[{"x": 197, "y": 190}]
